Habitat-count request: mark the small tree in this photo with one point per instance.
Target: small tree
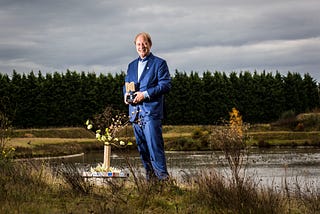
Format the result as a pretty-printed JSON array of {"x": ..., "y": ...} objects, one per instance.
[{"x": 231, "y": 140}]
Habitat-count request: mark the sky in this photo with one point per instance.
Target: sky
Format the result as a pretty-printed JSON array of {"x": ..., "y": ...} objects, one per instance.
[{"x": 191, "y": 35}]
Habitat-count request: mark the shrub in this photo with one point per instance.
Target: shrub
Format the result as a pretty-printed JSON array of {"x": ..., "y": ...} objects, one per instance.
[
  {"x": 263, "y": 144},
  {"x": 231, "y": 140},
  {"x": 287, "y": 120},
  {"x": 309, "y": 121}
]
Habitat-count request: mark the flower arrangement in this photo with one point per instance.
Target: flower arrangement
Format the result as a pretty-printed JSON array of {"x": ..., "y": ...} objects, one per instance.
[
  {"x": 108, "y": 136},
  {"x": 108, "y": 126}
]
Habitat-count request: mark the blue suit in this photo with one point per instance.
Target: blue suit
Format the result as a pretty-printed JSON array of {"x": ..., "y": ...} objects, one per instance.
[{"x": 146, "y": 116}]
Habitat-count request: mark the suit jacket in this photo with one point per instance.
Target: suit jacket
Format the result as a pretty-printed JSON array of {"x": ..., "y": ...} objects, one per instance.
[{"x": 156, "y": 80}]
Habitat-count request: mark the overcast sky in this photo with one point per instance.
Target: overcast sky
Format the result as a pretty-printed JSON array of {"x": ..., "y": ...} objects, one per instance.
[{"x": 97, "y": 35}]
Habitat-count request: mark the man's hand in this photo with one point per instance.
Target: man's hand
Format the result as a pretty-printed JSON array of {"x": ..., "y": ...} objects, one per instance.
[{"x": 139, "y": 97}]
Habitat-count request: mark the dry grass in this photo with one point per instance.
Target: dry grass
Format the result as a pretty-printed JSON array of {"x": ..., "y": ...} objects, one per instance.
[
  {"x": 175, "y": 135},
  {"x": 35, "y": 187},
  {"x": 64, "y": 132},
  {"x": 78, "y": 140},
  {"x": 32, "y": 141},
  {"x": 215, "y": 190}
]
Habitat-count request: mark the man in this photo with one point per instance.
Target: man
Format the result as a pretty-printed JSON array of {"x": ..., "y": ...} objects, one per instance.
[{"x": 150, "y": 79}]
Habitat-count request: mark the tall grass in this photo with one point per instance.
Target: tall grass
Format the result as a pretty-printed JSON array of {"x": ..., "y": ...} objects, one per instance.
[
  {"x": 38, "y": 187},
  {"x": 35, "y": 187},
  {"x": 215, "y": 191}
]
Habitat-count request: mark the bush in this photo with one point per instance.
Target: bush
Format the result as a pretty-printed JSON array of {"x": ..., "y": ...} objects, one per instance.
[
  {"x": 309, "y": 121},
  {"x": 287, "y": 120},
  {"x": 263, "y": 144}
]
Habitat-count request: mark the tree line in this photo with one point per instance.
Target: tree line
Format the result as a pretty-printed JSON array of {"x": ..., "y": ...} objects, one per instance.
[{"x": 68, "y": 99}]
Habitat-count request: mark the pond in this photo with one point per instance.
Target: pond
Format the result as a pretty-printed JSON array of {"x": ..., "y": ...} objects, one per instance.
[{"x": 267, "y": 166}]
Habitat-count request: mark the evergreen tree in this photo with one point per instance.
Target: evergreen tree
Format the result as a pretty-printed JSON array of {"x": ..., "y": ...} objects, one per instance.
[
  {"x": 196, "y": 107},
  {"x": 311, "y": 90},
  {"x": 293, "y": 93},
  {"x": 178, "y": 99},
  {"x": 69, "y": 99}
]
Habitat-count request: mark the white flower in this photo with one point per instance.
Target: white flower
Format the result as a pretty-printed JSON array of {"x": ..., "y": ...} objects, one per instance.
[
  {"x": 89, "y": 126},
  {"x": 103, "y": 138},
  {"x": 92, "y": 169},
  {"x": 122, "y": 143}
]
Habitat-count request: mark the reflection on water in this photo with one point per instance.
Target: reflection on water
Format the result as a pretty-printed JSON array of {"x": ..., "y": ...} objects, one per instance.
[{"x": 268, "y": 165}]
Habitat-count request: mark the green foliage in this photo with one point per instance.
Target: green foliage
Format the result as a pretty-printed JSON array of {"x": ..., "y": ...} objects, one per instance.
[
  {"x": 68, "y": 99},
  {"x": 59, "y": 99}
]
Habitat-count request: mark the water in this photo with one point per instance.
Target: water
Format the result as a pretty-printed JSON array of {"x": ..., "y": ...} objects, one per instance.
[{"x": 267, "y": 166}]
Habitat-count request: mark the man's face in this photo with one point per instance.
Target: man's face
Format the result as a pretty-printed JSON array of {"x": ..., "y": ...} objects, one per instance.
[{"x": 142, "y": 46}]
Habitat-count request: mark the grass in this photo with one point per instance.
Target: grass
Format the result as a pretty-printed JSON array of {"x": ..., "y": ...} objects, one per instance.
[
  {"x": 284, "y": 138},
  {"x": 65, "y": 141},
  {"x": 66, "y": 132},
  {"x": 33, "y": 142},
  {"x": 39, "y": 147},
  {"x": 284, "y": 135},
  {"x": 35, "y": 187}
]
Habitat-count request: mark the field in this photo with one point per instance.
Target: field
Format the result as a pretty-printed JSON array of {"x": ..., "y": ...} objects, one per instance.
[{"x": 66, "y": 141}]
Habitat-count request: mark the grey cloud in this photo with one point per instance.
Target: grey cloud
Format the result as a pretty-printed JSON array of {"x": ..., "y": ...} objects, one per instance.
[{"x": 191, "y": 35}]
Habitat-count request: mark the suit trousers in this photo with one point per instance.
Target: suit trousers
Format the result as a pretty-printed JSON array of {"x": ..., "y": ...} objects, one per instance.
[{"x": 149, "y": 139}]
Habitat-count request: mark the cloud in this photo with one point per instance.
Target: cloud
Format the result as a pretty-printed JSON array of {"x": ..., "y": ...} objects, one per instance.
[
  {"x": 269, "y": 55},
  {"x": 199, "y": 35}
]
